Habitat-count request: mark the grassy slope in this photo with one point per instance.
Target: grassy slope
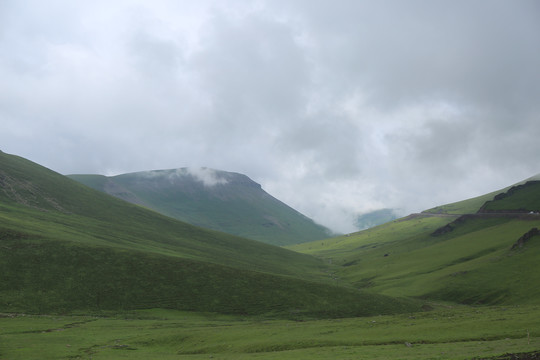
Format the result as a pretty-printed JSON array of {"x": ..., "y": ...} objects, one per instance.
[
  {"x": 471, "y": 264},
  {"x": 66, "y": 247},
  {"x": 239, "y": 207},
  {"x": 472, "y": 205},
  {"x": 65, "y": 210},
  {"x": 345, "y": 249},
  {"x": 468, "y": 206}
]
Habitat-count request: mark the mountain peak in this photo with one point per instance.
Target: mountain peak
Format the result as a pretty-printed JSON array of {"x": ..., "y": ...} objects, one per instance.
[{"x": 203, "y": 175}]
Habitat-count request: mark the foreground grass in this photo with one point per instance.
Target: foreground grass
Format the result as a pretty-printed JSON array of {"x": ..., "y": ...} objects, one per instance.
[{"x": 457, "y": 332}]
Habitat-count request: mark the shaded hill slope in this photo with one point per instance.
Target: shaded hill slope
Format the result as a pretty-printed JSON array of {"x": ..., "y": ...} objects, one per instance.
[
  {"x": 218, "y": 200},
  {"x": 519, "y": 198},
  {"x": 65, "y": 247},
  {"x": 467, "y": 259},
  {"x": 473, "y": 205}
]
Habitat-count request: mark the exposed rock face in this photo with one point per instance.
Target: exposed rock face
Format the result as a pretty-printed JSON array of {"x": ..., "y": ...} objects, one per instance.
[
  {"x": 25, "y": 192},
  {"x": 513, "y": 189},
  {"x": 525, "y": 238},
  {"x": 443, "y": 230},
  {"x": 513, "y": 356},
  {"x": 506, "y": 194},
  {"x": 451, "y": 226}
]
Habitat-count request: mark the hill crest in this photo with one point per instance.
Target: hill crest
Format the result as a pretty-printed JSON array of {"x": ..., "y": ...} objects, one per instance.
[{"x": 214, "y": 199}]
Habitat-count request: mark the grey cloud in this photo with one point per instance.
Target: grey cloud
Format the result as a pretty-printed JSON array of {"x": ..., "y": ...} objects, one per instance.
[
  {"x": 407, "y": 50},
  {"x": 334, "y": 107},
  {"x": 154, "y": 57},
  {"x": 328, "y": 144},
  {"x": 251, "y": 67}
]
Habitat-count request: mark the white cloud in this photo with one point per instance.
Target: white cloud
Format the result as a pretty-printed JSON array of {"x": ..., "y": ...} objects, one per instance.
[{"x": 209, "y": 177}]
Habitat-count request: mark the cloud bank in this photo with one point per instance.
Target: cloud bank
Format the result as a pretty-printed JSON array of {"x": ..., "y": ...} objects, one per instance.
[
  {"x": 208, "y": 177},
  {"x": 335, "y": 108}
]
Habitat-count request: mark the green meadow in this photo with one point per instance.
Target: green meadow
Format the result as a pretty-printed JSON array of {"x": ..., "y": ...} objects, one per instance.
[{"x": 446, "y": 332}]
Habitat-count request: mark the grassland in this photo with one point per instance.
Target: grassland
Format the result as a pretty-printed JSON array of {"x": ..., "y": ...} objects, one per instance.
[{"x": 447, "y": 332}]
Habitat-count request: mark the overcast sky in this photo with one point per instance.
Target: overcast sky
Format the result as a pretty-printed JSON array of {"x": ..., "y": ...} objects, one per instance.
[{"x": 335, "y": 107}]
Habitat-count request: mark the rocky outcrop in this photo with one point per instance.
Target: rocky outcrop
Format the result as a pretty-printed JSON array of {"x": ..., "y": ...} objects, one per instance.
[
  {"x": 501, "y": 196},
  {"x": 525, "y": 238},
  {"x": 451, "y": 226}
]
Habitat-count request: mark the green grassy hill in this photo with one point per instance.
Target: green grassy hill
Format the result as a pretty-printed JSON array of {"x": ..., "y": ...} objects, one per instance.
[
  {"x": 65, "y": 247},
  {"x": 473, "y": 205},
  {"x": 439, "y": 255},
  {"x": 212, "y": 199},
  {"x": 468, "y": 206}
]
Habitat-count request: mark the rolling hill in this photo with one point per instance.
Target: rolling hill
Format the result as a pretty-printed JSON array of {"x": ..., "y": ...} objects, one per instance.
[
  {"x": 65, "y": 248},
  {"x": 72, "y": 252},
  {"x": 478, "y": 251},
  {"x": 213, "y": 199}
]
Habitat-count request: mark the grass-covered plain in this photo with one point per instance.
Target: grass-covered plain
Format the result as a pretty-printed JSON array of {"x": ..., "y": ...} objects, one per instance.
[{"x": 447, "y": 332}]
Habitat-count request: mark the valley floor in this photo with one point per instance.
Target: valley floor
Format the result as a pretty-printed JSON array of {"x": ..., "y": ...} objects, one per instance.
[{"x": 447, "y": 332}]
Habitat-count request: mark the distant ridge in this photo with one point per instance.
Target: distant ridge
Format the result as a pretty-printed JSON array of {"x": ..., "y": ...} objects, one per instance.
[
  {"x": 213, "y": 199},
  {"x": 374, "y": 218}
]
